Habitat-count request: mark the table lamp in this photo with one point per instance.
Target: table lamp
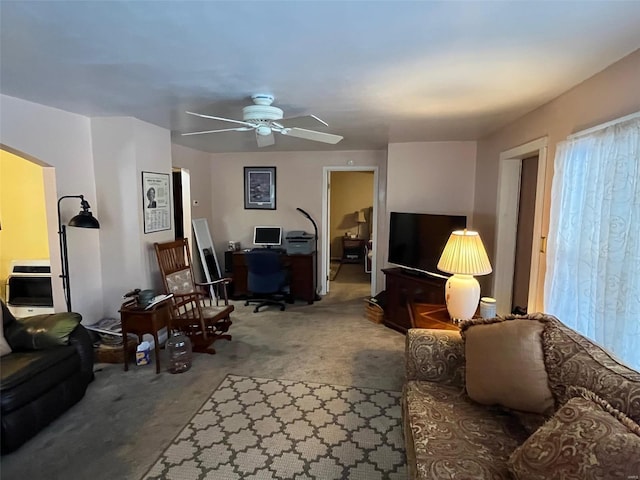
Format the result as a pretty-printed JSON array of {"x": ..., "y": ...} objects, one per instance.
[
  {"x": 360, "y": 219},
  {"x": 464, "y": 256}
]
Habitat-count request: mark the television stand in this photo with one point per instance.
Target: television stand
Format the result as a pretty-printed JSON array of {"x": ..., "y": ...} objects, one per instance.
[{"x": 405, "y": 288}]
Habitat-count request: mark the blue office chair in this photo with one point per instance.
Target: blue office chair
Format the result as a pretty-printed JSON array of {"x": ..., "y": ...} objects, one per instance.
[{"x": 267, "y": 279}]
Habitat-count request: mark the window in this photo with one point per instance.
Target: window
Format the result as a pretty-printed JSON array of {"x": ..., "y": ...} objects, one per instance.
[{"x": 593, "y": 261}]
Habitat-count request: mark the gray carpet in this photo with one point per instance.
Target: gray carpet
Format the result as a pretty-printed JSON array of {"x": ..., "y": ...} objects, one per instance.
[
  {"x": 127, "y": 419},
  {"x": 334, "y": 269},
  {"x": 257, "y": 428}
]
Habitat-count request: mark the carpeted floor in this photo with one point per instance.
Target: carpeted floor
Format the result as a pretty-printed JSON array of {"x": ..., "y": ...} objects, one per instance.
[
  {"x": 127, "y": 419},
  {"x": 254, "y": 428},
  {"x": 334, "y": 269}
]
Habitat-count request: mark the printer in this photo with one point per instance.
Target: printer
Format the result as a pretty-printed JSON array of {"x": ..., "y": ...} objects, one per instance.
[{"x": 299, "y": 241}]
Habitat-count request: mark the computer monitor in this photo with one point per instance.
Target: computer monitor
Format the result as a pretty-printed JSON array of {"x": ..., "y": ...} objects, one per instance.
[{"x": 267, "y": 236}]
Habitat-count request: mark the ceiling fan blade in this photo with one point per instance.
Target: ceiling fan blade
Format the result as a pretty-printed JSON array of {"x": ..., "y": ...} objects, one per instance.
[
  {"x": 312, "y": 135},
  {"x": 265, "y": 140},
  {"x": 303, "y": 121},
  {"x": 222, "y": 119},
  {"x": 239, "y": 129}
]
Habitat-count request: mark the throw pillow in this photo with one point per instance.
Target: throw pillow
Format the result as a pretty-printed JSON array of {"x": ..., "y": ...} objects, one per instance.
[
  {"x": 586, "y": 439},
  {"x": 46, "y": 331},
  {"x": 504, "y": 364}
]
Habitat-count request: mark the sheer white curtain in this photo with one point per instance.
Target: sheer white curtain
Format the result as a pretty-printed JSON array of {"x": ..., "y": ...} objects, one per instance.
[{"x": 592, "y": 282}]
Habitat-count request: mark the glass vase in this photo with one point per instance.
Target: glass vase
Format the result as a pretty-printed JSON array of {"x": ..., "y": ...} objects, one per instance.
[{"x": 179, "y": 349}]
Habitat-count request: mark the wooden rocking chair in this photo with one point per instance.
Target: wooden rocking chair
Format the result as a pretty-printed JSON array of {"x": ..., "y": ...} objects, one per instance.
[{"x": 202, "y": 318}]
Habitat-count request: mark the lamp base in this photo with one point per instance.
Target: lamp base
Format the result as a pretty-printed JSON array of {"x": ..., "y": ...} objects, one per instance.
[{"x": 462, "y": 294}]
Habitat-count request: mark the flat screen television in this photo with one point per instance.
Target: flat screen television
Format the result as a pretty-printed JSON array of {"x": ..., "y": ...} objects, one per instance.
[
  {"x": 416, "y": 240},
  {"x": 267, "y": 236}
]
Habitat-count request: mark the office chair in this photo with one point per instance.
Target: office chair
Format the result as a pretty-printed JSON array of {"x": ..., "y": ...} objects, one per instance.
[
  {"x": 267, "y": 279},
  {"x": 201, "y": 318}
]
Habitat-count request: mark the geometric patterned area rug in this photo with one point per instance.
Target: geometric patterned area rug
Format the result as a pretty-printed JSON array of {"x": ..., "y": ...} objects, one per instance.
[{"x": 257, "y": 428}]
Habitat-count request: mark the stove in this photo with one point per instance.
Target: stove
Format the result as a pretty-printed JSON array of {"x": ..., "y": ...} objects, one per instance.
[{"x": 29, "y": 288}]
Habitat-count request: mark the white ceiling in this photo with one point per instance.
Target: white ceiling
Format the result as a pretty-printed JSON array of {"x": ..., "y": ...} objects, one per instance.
[{"x": 376, "y": 71}]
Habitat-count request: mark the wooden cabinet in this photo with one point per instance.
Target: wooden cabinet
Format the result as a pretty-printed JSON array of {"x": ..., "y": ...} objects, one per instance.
[
  {"x": 302, "y": 271},
  {"x": 427, "y": 315},
  {"x": 352, "y": 250},
  {"x": 405, "y": 288}
]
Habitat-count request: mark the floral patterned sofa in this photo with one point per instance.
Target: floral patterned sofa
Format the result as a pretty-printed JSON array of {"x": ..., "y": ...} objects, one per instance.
[{"x": 590, "y": 395}]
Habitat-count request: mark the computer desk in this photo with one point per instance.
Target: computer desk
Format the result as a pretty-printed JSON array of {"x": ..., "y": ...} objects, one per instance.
[{"x": 302, "y": 271}]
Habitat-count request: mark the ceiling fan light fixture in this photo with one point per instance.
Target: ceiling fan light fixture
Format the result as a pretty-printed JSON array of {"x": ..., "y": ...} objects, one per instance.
[
  {"x": 263, "y": 130},
  {"x": 262, "y": 99},
  {"x": 266, "y": 119},
  {"x": 261, "y": 113}
]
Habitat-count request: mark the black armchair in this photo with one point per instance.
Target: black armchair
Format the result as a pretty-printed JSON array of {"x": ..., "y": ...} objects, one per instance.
[
  {"x": 46, "y": 366},
  {"x": 267, "y": 279}
]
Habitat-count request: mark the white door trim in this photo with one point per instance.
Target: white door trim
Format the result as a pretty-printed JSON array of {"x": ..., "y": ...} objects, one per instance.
[
  {"x": 509, "y": 169},
  {"x": 326, "y": 241}
]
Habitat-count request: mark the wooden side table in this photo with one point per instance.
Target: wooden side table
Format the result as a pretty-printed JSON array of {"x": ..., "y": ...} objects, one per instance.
[
  {"x": 352, "y": 250},
  {"x": 430, "y": 315},
  {"x": 140, "y": 321}
]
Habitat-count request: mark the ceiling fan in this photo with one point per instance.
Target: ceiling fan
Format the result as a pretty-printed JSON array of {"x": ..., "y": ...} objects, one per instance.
[{"x": 266, "y": 119}]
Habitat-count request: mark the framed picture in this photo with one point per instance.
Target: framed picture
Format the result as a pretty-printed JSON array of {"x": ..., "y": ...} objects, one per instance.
[
  {"x": 260, "y": 188},
  {"x": 156, "y": 201}
]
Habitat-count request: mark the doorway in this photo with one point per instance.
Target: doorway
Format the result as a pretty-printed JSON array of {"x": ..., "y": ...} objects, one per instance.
[
  {"x": 182, "y": 204},
  {"x": 349, "y": 229},
  {"x": 530, "y": 245},
  {"x": 30, "y": 207},
  {"x": 524, "y": 235}
]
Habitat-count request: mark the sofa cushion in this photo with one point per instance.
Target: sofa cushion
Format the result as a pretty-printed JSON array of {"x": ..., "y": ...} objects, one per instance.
[
  {"x": 505, "y": 364},
  {"x": 573, "y": 360},
  {"x": 27, "y": 375},
  {"x": 451, "y": 434},
  {"x": 586, "y": 439}
]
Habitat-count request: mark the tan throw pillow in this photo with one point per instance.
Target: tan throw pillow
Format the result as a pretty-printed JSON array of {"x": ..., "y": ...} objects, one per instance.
[
  {"x": 586, "y": 439},
  {"x": 505, "y": 365}
]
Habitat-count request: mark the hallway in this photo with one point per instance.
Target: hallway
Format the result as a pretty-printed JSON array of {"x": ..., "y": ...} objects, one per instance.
[{"x": 351, "y": 283}]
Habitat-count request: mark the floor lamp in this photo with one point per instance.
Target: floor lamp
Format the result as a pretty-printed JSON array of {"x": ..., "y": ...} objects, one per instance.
[
  {"x": 315, "y": 229},
  {"x": 84, "y": 219},
  {"x": 464, "y": 256}
]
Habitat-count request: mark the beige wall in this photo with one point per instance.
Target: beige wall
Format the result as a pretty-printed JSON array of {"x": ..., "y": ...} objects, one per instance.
[
  {"x": 101, "y": 159},
  {"x": 610, "y": 94},
  {"x": 124, "y": 147},
  {"x": 62, "y": 140},
  {"x": 299, "y": 177},
  {"x": 350, "y": 192},
  {"x": 434, "y": 177},
  {"x": 431, "y": 177}
]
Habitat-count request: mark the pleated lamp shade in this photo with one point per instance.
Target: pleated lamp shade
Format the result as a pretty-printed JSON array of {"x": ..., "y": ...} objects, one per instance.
[{"x": 465, "y": 254}]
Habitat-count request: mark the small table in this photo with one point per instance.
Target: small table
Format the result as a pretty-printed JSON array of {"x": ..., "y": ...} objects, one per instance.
[
  {"x": 430, "y": 315},
  {"x": 352, "y": 250},
  {"x": 139, "y": 321}
]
